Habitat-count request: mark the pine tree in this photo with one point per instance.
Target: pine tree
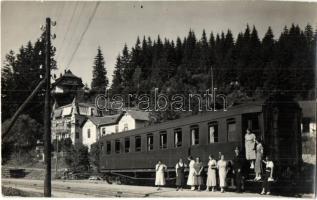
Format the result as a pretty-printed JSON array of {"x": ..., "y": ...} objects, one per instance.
[
  {"x": 8, "y": 86},
  {"x": 99, "y": 79},
  {"x": 27, "y": 70},
  {"x": 117, "y": 81}
]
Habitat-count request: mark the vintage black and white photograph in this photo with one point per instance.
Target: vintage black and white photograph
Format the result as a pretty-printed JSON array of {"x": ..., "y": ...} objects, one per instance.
[{"x": 173, "y": 99}]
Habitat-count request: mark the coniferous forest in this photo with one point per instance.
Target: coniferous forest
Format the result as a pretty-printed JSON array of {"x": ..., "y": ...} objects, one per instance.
[{"x": 245, "y": 67}]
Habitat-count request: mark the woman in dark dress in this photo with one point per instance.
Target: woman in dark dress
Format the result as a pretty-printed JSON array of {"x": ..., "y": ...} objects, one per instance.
[{"x": 180, "y": 175}]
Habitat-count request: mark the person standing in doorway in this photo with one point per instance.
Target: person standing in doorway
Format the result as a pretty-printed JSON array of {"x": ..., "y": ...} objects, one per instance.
[
  {"x": 250, "y": 147},
  {"x": 159, "y": 176}
]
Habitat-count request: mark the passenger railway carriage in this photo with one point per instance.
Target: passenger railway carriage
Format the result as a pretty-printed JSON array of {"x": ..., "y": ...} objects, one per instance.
[{"x": 133, "y": 154}]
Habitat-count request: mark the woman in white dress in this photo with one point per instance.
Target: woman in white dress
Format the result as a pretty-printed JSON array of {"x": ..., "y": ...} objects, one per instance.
[
  {"x": 222, "y": 169},
  {"x": 159, "y": 176},
  {"x": 250, "y": 147},
  {"x": 211, "y": 175},
  {"x": 191, "y": 181}
]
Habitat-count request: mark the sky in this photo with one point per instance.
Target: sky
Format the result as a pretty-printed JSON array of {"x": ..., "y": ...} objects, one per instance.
[{"x": 114, "y": 24}]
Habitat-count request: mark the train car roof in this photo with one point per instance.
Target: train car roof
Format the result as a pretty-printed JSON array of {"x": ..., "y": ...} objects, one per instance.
[{"x": 251, "y": 107}]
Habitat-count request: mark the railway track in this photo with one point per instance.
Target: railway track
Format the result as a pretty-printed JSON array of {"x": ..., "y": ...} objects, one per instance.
[
  {"x": 67, "y": 187},
  {"x": 101, "y": 189}
]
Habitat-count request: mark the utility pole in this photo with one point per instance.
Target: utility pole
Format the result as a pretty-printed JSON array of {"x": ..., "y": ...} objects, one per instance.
[
  {"x": 56, "y": 163},
  {"x": 47, "y": 115}
]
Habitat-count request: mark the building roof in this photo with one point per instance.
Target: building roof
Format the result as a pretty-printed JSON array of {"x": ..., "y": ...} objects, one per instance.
[
  {"x": 139, "y": 115},
  {"x": 68, "y": 75},
  {"x": 308, "y": 108},
  {"x": 114, "y": 119},
  {"x": 58, "y": 112},
  {"x": 106, "y": 120}
]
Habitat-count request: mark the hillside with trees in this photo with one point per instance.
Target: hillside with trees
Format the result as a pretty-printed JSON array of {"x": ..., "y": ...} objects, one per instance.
[{"x": 245, "y": 68}]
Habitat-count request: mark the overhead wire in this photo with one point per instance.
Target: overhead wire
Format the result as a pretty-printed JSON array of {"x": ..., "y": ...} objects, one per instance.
[
  {"x": 68, "y": 44},
  {"x": 68, "y": 28},
  {"x": 83, "y": 33}
]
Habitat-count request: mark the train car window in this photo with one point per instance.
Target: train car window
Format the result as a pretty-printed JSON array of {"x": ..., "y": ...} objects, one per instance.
[
  {"x": 194, "y": 131},
  {"x": 150, "y": 142},
  {"x": 137, "y": 143},
  {"x": 117, "y": 146},
  {"x": 232, "y": 130},
  {"x": 163, "y": 140},
  {"x": 178, "y": 137},
  {"x": 305, "y": 125},
  {"x": 127, "y": 145},
  {"x": 108, "y": 144},
  {"x": 212, "y": 132}
]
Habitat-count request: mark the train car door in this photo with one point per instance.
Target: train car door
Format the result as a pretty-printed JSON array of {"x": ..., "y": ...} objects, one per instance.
[{"x": 252, "y": 121}]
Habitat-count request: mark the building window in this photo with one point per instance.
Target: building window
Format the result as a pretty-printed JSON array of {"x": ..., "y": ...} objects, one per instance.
[
  {"x": 125, "y": 127},
  {"x": 117, "y": 128},
  {"x": 117, "y": 146},
  {"x": 127, "y": 145},
  {"x": 231, "y": 130},
  {"x": 150, "y": 142},
  {"x": 108, "y": 147},
  {"x": 163, "y": 140},
  {"x": 178, "y": 137},
  {"x": 103, "y": 131},
  {"x": 88, "y": 133},
  {"x": 77, "y": 135},
  {"x": 212, "y": 132},
  {"x": 137, "y": 143},
  {"x": 194, "y": 131}
]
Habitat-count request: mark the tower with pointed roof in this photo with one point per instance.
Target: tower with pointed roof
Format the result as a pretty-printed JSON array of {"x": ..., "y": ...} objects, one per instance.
[{"x": 66, "y": 88}]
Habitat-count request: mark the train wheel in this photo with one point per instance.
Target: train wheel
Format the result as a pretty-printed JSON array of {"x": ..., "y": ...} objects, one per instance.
[
  {"x": 118, "y": 181},
  {"x": 109, "y": 179}
]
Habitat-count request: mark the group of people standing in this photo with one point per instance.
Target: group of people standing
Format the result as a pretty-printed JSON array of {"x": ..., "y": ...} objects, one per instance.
[{"x": 221, "y": 169}]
